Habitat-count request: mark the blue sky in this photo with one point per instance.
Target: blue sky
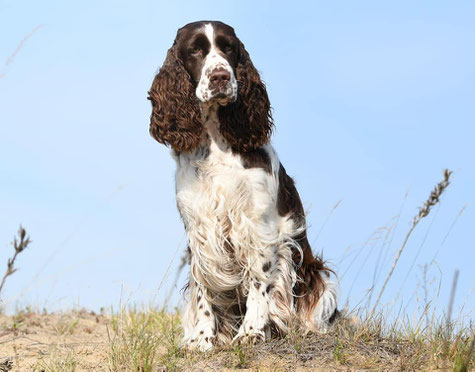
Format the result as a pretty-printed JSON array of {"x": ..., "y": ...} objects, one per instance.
[{"x": 371, "y": 101}]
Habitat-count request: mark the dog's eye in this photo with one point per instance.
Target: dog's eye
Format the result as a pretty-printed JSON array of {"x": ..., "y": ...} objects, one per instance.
[
  {"x": 228, "y": 48},
  {"x": 194, "y": 51}
]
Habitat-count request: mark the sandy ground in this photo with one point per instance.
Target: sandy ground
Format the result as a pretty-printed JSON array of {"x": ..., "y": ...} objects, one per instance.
[{"x": 32, "y": 342}]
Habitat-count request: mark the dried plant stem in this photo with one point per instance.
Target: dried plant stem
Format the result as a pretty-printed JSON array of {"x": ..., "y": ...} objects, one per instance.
[
  {"x": 423, "y": 212},
  {"x": 314, "y": 242},
  {"x": 19, "y": 246},
  {"x": 184, "y": 261},
  {"x": 449, "y": 326},
  {"x": 452, "y": 297},
  {"x": 18, "y": 48}
]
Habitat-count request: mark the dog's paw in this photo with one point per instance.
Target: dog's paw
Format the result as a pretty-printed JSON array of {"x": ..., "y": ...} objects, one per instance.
[
  {"x": 251, "y": 337},
  {"x": 202, "y": 343},
  {"x": 205, "y": 343}
]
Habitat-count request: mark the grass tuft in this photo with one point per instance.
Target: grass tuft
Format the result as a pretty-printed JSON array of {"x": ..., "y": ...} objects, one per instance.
[
  {"x": 57, "y": 362},
  {"x": 139, "y": 339}
]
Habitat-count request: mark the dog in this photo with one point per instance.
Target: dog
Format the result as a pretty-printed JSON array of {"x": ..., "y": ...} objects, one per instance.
[{"x": 252, "y": 271}]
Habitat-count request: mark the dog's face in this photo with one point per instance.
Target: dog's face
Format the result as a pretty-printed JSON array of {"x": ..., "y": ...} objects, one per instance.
[
  {"x": 208, "y": 65},
  {"x": 210, "y": 54}
]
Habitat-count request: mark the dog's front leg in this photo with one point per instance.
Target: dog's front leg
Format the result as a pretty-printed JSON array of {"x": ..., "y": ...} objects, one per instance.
[
  {"x": 199, "y": 321},
  {"x": 256, "y": 321}
]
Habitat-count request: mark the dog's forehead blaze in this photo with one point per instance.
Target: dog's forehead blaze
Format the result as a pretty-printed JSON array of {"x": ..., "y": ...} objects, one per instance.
[{"x": 209, "y": 32}]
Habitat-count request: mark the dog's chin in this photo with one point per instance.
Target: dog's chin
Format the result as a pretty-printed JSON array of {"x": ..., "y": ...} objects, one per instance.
[{"x": 222, "y": 99}]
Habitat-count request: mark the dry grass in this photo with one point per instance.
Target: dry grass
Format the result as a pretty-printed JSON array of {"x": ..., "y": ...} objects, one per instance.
[
  {"x": 148, "y": 340},
  {"x": 350, "y": 345}
]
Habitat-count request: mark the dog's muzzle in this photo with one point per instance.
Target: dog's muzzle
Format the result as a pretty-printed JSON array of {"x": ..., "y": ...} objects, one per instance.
[{"x": 218, "y": 84}]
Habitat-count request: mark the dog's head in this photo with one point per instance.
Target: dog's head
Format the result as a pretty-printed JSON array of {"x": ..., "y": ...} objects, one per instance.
[
  {"x": 210, "y": 53},
  {"x": 208, "y": 65}
]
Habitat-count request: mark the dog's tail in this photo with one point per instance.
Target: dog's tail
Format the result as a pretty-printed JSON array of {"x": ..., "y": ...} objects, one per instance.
[{"x": 316, "y": 295}]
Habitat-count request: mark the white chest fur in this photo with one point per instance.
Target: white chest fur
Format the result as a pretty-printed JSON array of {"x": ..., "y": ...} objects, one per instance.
[{"x": 229, "y": 211}]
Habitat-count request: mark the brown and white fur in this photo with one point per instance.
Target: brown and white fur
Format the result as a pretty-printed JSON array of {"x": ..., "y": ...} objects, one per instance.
[{"x": 252, "y": 271}]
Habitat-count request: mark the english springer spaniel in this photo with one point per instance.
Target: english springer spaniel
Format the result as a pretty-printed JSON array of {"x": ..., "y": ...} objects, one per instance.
[{"x": 252, "y": 271}]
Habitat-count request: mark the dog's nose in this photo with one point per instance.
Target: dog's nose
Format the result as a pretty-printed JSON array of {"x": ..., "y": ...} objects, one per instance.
[{"x": 219, "y": 77}]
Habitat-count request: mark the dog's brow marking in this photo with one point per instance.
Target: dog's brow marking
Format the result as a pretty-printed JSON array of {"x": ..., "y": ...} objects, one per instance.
[{"x": 209, "y": 32}]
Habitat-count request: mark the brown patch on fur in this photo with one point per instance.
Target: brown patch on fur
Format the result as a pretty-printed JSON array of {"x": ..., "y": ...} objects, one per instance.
[
  {"x": 258, "y": 158},
  {"x": 310, "y": 284},
  {"x": 336, "y": 314},
  {"x": 266, "y": 266},
  {"x": 247, "y": 123}
]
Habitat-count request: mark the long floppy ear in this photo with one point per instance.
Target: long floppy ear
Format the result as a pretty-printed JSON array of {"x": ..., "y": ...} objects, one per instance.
[
  {"x": 175, "y": 119},
  {"x": 247, "y": 123}
]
